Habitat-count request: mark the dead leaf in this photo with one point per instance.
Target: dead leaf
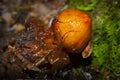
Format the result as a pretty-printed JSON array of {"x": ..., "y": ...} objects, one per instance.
[{"x": 87, "y": 51}]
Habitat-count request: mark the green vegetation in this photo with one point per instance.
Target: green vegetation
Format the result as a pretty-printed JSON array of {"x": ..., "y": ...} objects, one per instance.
[{"x": 106, "y": 35}]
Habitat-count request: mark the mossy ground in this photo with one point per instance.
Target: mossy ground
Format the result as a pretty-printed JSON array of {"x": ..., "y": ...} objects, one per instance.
[{"x": 105, "y": 35}]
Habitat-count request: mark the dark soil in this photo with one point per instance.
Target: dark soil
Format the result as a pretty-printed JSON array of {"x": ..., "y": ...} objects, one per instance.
[{"x": 15, "y": 33}]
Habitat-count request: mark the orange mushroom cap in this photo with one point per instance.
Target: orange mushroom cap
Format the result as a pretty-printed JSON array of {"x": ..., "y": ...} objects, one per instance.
[{"x": 73, "y": 28}]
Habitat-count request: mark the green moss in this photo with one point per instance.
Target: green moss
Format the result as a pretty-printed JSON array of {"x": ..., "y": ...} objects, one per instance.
[{"x": 106, "y": 33}]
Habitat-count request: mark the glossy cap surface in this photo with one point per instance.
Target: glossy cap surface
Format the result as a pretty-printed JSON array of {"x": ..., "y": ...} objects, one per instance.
[{"x": 73, "y": 27}]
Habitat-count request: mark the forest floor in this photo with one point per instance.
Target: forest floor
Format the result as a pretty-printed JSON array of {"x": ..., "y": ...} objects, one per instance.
[{"x": 13, "y": 15}]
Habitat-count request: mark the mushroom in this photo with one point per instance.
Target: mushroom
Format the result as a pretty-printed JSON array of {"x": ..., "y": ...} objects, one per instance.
[
  {"x": 70, "y": 33},
  {"x": 73, "y": 28}
]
